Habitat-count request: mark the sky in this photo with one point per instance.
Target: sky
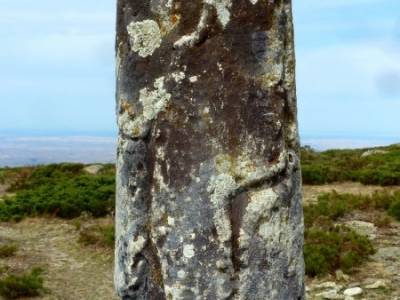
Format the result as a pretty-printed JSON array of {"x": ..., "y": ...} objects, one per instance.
[{"x": 57, "y": 66}]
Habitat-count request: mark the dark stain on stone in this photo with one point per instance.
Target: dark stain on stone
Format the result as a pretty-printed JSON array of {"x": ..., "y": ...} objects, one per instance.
[
  {"x": 237, "y": 210},
  {"x": 190, "y": 12}
]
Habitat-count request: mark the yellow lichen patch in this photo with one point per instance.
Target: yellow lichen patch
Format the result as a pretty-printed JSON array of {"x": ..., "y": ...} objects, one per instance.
[
  {"x": 126, "y": 107},
  {"x": 175, "y": 19}
]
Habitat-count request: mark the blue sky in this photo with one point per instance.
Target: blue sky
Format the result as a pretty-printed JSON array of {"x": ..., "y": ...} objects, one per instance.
[{"x": 57, "y": 66}]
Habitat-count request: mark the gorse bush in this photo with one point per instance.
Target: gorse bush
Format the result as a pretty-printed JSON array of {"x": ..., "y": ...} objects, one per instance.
[
  {"x": 62, "y": 190},
  {"x": 25, "y": 285},
  {"x": 350, "y": 165},
  {"x": 332, "y": 248}
]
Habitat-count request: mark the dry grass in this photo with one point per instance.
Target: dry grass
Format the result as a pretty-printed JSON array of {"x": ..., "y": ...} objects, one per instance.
[
  {"x": 311, "y": 192},
  {"x": 73, "y": 271}
]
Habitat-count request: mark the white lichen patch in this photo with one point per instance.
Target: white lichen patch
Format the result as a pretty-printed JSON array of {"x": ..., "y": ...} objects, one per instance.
[
  {"x": 260, "y": 205},
  {"x": 181, "y": 274},
  {"x": 158, "y": 177},
  {"x": 221, "y": 188},
  {"x": 192, "y": 38},
  {"x": 220, "y": 68},
  {"x": 253, "y": 1},
  {"x": 223, "y": 10},
  {"x": 126, "y": 123},
  {"x": 154, "y": 101},
  {"x": 248, "y": 171},
  {"x": 136, "y": 246},
  {"x": 178, "y": 76},
  {"x": 259, "y": 208},
  {"x": 145, "y": 37},
  {"x": 188, "y": 251},
  {"x": 193, "y": 79},
  {"x": 171, "y": 221}
]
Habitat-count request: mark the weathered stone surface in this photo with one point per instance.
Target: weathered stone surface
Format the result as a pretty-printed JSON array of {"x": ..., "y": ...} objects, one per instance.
[
  {"x": 208, "y": 179},
  {"x": 353, "y": 291}
]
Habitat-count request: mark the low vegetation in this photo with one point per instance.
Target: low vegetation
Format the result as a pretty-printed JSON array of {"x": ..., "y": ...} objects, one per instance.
[
  {"x": 329, "y": 246},
  {"x": 98, "y": 235},
  {"x": 29, "y": 284},
  {"x": 12, "y": 176},
  {"x": 332, "y": 206},
  {"x": 62, "y": 190},
  {"x": 336, "y": 247},
  {"x": 8, "y": 250},
  {"x": 67, "y": 191},
  {"x": 394, "y": 209},
  {"x": 380, "y": 166}
]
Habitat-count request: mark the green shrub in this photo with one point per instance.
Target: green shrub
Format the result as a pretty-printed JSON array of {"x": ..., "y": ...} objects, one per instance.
[
  {"x": 349, "y": 165},
  {"x": 8, "y": 250},
  {"x": 394, "y": 209},
  {"x": 25, "y": 285},
  {"x": 61, "y": 190},
  {"x": 333, "y": 205},
  {"x": 336, "y": 247}
]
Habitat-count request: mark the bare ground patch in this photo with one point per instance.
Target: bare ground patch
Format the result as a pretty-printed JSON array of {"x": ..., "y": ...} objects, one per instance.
[{"x": 73, "y": 271}]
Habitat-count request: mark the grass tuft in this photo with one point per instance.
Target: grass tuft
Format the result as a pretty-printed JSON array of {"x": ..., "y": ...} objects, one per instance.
[
  {"x": 25, "y": 285},
  {"x": 8, "y": 250},
  {"x": 394, "y": 208},
  {"x": 98, "y": 235}
]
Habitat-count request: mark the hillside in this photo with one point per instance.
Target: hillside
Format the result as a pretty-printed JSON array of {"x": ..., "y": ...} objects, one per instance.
[{"x": 58, "y": 218}]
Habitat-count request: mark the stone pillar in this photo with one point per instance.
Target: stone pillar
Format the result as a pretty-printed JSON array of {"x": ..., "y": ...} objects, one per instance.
[{"x": 208, "y": 175}]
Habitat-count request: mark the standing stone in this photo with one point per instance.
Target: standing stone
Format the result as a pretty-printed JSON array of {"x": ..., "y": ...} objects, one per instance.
[{"x": 208, "y": 178}]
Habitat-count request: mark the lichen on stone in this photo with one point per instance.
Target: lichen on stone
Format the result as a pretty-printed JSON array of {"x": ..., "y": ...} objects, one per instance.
[
  {"x": 191, "y": 39},
  {"x": 248, "y": 171},
  {"x": 193, "y": 79},
  {"x": 153, "y": 102},
  {"x": 178, "y": 76},
  {"x": 188, "y": 251},
  {"x": 164, "y": 10},
  {"x": 221, "y": 188},
  {"x": 136, "y": 246},
  {"x": 145, "y": 37},
  {"x": 223, "y": 10}
]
